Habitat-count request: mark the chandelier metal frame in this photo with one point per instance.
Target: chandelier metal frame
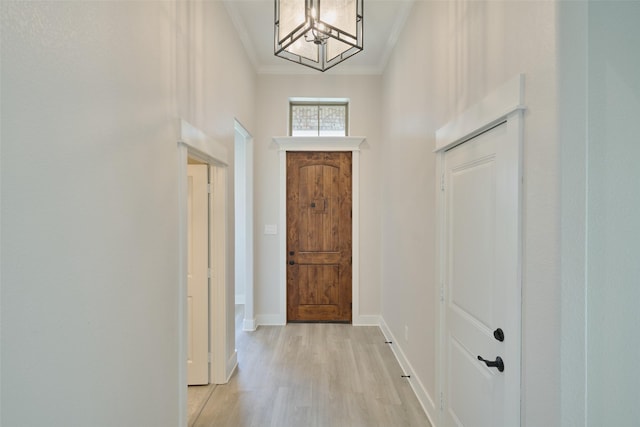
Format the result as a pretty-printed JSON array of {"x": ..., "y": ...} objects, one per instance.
[{"x": 320, "y": 33}]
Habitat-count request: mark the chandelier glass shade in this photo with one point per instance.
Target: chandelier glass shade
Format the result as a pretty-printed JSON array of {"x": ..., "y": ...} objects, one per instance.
[{"x": 318, "y": 33}]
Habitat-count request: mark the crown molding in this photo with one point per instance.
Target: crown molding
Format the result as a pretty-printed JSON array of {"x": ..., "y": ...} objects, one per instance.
[{"x": 405, "y": 10}]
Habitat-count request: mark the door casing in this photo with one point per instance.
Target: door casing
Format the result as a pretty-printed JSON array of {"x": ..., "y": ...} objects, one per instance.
[
  {"x": 504, "y": 104},
  {"x": 293, "y": 143}
]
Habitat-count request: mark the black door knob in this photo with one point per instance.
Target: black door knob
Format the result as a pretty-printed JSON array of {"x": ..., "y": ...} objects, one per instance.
[
  {"x": 292, "y": 262},
  {"x": 497, "y": 364},
  {"x": 292, "y": 253},
  {"x": 498, "y": 334}
]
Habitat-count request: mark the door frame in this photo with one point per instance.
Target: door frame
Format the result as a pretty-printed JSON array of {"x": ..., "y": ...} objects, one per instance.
[
  {"x": 195, "y": 144},
  {"x": 503, "y": 105},
  {"x": 315, "y": 143},
  {"x": 243, "y": 199}
]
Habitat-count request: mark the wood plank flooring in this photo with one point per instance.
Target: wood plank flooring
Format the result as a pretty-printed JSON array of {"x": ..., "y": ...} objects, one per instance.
[{"x": 313, "y": 375}]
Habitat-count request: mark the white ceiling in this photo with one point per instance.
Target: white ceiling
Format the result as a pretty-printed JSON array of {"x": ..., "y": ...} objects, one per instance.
[{"x": 383, "y": 21}]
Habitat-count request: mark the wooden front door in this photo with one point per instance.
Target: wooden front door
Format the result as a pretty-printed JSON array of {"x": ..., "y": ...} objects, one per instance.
[{"x": 319, "y": 236}]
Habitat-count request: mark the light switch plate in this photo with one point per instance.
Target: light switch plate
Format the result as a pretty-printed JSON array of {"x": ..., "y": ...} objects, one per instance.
[{"x": 270, "y": 229}]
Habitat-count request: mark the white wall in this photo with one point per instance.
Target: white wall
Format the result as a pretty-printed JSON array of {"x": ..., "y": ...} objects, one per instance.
[
  {"x": 613, "y": 224},
  {"x": 466, "y": 49},
  {"x": 228, "y": 93},
  {"x": 600, "y": 90},
  {"x": 89, "y": 219},
  {"x": 89, "y": 259},
  {"x": 272, "y": 103},
  {"x": 90, "y": 93},
  {"x": 572, "y": 115}
]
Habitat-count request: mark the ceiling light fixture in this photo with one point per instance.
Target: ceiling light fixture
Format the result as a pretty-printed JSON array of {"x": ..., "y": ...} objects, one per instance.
[{"x": 318, "y": 33}]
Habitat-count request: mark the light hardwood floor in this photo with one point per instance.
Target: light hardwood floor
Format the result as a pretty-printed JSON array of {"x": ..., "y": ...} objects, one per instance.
[{"x": 312, "y": 375}]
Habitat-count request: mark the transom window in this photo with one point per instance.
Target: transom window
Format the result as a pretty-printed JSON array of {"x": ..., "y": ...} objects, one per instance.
[{"x": 312, "y": 118}]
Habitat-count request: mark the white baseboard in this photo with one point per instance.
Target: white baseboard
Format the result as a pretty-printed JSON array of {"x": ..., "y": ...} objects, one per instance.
[
  {"x": 270, "y": 320},
  {"x": 240, "y": 299},
  {"x": 249, "y": 325},
  {"x": 418, "y": 388},
  {"x": 366, "y": 320}
]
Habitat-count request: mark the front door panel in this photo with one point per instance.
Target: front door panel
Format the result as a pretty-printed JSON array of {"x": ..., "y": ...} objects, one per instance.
[{"x": 319, "y": 236}]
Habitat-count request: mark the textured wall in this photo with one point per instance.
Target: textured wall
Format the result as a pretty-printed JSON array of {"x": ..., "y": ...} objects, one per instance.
[
  {"x": 91, "y": 93},
  {"x": 89, "y": 224}
]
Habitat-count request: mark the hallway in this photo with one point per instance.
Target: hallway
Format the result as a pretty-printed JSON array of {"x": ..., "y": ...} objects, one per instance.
[{"x": 313, "y": 375}]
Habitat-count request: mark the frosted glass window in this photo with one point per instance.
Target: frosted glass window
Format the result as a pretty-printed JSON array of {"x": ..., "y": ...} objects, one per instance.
[{"x": 318, "y": 119}]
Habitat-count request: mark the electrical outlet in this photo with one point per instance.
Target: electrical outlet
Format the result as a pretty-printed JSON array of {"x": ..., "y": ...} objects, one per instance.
[{"x": 406, "y": 333}]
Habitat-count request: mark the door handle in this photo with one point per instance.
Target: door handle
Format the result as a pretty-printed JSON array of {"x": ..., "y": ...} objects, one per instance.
[
  {"x": 497, "y": 364},
  {"x": 292, "y": 262}
]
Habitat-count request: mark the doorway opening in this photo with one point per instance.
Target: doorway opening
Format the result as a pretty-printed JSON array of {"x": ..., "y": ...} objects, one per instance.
[
  {"x": 479, "y": 175},
  {"x": 197, "y": 272},
  {"x": 196, "y": 149},
  {"x": 321, "y": 144},
  {"x": 243, "y": 200},
  {"x": 198, "y": 237}
]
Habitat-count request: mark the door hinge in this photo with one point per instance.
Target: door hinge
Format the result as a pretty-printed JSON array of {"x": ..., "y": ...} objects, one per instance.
[
  {"x": 442, "y": 292},
  {"x": 210, "y": 357},
  {"x": 441, "y": 401},
  {"x": 442, "y": 182},
  {"x": 209, "y": 188},
  {"x": 208, "y": 273}
]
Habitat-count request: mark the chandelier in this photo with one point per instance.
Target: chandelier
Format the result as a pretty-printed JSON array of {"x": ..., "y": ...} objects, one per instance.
[{"x": 318, "y": 33}]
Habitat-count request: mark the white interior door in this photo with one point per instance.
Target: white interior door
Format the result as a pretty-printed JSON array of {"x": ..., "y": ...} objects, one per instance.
[
  {"x": 481, "y": 276},
  {"x": 197, "y": 280}
]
